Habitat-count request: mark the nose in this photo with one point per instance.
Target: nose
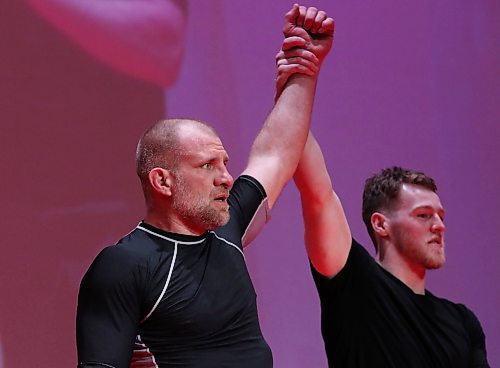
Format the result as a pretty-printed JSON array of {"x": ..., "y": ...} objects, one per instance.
[
  {"x": 438, "y": 225},
  {"x": 224, "y": 178}
]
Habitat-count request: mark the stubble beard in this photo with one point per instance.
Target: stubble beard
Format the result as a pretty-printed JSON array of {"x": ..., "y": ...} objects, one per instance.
[
  {"x": 435, "y": 259},
  {"x": 427, "y": 256},
  {"x": 196, "y": 209}
]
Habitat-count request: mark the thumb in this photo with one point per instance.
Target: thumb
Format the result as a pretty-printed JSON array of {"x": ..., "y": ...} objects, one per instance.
[{"x": 291, "y": 17}]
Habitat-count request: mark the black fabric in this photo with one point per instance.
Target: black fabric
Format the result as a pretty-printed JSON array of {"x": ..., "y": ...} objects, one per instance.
[
  {"x": 207, "y": 316},
  {"x": 372, "y": 319}
]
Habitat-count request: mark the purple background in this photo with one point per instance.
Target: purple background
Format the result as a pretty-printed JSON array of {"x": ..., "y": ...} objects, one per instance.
[{"x": 409, "y": 83}]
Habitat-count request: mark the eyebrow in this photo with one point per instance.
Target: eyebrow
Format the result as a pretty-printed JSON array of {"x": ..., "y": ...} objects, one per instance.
[
  {"x": 429, "y": 207},
  {"x": 212, "y": 158}
]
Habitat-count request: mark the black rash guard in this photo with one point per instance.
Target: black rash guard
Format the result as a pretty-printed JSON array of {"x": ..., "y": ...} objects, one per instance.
[{"x": 159, "y": 299}]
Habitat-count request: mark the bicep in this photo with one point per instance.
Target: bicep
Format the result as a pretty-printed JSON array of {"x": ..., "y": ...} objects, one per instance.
[
  {"x": 478, "y": 357},
  {"x": 249, "y": 210},
  {"x": 107, "y": 318},
  {"x": 101, "y": 338},
  {"x": 272, "y": 172},
  {"x": 327, "y": 234}
]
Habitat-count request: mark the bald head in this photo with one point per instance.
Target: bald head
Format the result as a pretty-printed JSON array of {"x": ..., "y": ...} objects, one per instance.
[{"x": 162, "y": 144}]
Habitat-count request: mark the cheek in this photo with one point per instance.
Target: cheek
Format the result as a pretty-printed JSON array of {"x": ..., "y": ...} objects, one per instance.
[{"x": 408, "y": 231}]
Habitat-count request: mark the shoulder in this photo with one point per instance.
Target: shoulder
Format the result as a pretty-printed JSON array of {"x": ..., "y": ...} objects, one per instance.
[
  {"x": 448, "y": 304},
  {"x": 247, "y": 186},
  {"x": 111, "y": 268},
  {"x": 471, "y": 324},
  {"x": 462, "y": 312},
  {"x": 128, "y": 251},
  {"x": 359, "y": 260},
  {"x": 249, "y": 211},
  {"x": 121, "y": 261},
  {"x": 116, "y": 257},
  {"x": 469, "y": 318},
  {"x": 359, "y": 263}
]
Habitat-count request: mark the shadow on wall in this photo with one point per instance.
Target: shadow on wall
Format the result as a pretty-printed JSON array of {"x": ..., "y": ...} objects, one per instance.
[{"x": 71, "y": 124}]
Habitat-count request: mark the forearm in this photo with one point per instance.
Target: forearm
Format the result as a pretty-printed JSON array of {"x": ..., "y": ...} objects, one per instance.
[
  {"x": 143, "y": 39},
  {"x": 327, "y": 233},
  {"x": 311, "y": 176},
  {"x": 278, "y": 147}
]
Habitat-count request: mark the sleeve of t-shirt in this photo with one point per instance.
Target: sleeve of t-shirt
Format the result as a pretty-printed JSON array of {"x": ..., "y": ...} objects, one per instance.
[
  {"x": 357, "y": 272},
  {"x": 478, "y": 357},
  {"x": 108, "y": 310},
  {"x": 249, "y": 211}
]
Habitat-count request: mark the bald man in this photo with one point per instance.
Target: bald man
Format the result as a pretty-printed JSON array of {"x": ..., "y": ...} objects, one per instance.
[{"x": 175, "y": 291}]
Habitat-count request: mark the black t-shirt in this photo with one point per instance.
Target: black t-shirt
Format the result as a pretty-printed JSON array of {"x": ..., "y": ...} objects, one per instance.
[
  {"x": 372, "y": 319},
  {"x": 176, "y": 300}
]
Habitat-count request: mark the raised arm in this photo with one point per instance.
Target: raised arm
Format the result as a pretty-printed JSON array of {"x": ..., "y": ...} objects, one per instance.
[
  {"x": 143, "y": 39},
  {"x": 278, "y": 147},
  {"x": 327, "y": 233}
]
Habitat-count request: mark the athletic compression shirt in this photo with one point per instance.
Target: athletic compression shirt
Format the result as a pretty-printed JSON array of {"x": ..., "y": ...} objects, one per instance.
[
  {"x": 372, "y": 319},
  {"x": 159, "y": 299}
]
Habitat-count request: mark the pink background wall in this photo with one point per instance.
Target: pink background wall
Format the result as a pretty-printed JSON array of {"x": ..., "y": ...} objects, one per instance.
[{"x": 413, "y": 84}]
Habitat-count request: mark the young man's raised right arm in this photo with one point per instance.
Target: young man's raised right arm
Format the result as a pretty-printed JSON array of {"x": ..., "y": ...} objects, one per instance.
[{"x": 327, "y": 233}]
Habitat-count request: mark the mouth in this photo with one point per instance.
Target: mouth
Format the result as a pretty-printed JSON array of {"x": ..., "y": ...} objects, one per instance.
[
  {"x": 436, "y": 241},
  {"x": 222, "y": 197}
]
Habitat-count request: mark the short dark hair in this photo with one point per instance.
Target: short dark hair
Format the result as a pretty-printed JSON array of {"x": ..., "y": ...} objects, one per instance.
[
  {"x": 382, "y": 190},
  {"x": 155, "y": 148}
]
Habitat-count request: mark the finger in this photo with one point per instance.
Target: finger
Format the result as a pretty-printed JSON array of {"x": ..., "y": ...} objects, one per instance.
[
  {"x": 284, "y": 73},
  {"x": 293, "y": 41},
  {"x": 302, "y": 15},
  {"x": 308, "y": 59},
  {"x": 298, "y": 61},
  {"x": 314, "y": 66},
  {"x": 291, "y": 16},
  {"x": 310, "y": 16},
  {"x": 299, "y": 52},
  {"x": 320, "y": 17},
  {"x": 293, "y": 69},
  {"x": 291, "y": 58},
  {"x": 327, "y": 27}
]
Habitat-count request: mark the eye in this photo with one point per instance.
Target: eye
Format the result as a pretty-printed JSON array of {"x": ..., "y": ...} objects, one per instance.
[
  {"x": 424, "y": 216},
  {"x": 208, "y": 165}
]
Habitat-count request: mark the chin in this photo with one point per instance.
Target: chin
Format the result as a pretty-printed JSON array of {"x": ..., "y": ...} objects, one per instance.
[
  {"x": 225, "y": 219},
  {"x": 221, "y": 220},
  {"x": 435, "y": 264}
]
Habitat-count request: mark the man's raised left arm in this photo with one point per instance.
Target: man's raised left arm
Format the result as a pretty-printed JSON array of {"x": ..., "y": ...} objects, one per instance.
[{"x": 278, "y": 147}]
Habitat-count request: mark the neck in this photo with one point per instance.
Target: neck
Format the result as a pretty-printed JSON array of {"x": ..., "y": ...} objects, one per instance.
[
  {"x": 410, "y": 275},
  {"x": 171, "y": 223}
]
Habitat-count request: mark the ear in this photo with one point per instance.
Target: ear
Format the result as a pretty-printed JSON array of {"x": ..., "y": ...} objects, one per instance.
[
  {"x": 379, "y": 224},
  {"x": 161, "y": 181}
]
